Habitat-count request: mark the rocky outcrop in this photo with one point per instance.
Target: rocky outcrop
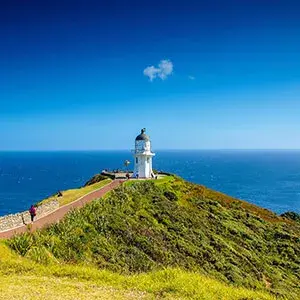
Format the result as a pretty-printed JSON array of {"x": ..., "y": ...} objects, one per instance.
[{"x": 23, "y": 218}]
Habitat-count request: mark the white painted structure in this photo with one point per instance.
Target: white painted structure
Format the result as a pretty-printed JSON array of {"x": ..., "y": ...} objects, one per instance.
[{"x": 143, "y": 156}]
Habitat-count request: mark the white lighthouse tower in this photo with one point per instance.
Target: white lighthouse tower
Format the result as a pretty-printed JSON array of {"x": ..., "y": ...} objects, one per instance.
[{"x": 143, "y": 156}]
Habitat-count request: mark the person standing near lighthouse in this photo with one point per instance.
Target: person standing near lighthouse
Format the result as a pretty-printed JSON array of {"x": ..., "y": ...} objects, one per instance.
[{"x": 143, "y": 156}]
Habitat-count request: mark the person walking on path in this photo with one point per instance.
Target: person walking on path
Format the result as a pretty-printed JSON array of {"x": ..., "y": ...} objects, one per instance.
[{"x": 32, "y": 212}]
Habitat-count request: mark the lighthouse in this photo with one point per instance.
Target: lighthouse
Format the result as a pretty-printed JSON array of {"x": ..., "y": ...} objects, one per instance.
[{"x": 142, "y": 156}]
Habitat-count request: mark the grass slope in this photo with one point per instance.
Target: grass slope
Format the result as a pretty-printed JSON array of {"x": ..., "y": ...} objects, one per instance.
[
  {"x": 148, "y": 226},
  {"x": 21, "y": 278},
  {"x": 71, "y": 195}
]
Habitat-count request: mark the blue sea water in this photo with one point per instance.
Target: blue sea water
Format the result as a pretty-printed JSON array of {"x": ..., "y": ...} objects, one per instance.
[{"x": 270, "y": 179}]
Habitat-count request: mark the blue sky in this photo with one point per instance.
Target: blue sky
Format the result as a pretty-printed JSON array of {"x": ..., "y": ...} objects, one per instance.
[{"x": 225, "y": 74}]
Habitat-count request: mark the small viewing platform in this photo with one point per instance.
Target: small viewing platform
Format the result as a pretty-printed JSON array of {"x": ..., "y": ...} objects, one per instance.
[{"x": 121, "y": 174}]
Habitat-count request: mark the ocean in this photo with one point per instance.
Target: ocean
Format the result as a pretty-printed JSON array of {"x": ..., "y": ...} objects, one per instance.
[{"x": 270, "y": 179}]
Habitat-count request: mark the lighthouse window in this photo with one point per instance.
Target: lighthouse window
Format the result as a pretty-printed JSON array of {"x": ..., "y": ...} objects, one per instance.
[
  {"x": 136, "y": 160},
  {"x": 148, "y": 160}
]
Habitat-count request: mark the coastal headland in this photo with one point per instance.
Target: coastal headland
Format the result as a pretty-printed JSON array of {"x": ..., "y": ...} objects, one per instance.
[{"x": 156, "y": 238}]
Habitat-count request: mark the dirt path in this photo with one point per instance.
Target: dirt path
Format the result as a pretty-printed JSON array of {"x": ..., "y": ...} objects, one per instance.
[{"x": 60, "y": 212}]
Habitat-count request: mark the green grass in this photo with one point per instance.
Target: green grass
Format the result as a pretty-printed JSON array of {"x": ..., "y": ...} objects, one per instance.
[
  {"x": 73, "y": 194},
  {"x": 24, "y": 279},
  {"x": 147, "y": 229},
  {"x": 161, "y": 180}
]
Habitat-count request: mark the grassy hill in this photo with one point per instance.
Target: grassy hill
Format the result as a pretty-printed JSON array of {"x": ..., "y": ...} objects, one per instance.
[
  {"x": 21, "y": 278},
  {"x": 167, "y": 238}
]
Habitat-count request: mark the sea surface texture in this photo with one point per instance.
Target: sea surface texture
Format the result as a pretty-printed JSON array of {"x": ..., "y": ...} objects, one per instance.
[{"x": 270, "y": 179}]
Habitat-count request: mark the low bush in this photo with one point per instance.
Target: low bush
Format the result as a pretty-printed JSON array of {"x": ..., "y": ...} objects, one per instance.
[{"x": 96, "y": 178}]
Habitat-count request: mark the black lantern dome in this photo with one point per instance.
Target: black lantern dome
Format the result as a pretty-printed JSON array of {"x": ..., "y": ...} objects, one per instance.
[{"x": 143, "y": 136}]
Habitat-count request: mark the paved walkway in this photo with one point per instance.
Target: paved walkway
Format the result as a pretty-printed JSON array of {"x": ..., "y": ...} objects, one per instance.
[{"x": 58, "y": 214}]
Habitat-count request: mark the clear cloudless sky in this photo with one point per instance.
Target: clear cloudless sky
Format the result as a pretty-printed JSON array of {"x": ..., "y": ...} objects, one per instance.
[{"x": 71, "y": 74}]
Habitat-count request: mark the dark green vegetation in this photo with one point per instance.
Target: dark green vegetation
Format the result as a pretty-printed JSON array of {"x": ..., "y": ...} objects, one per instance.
[
  {"x": 143, "y": 226},
  {"x": 291, "y": 215},
  {"x": 95, "y": 179}
]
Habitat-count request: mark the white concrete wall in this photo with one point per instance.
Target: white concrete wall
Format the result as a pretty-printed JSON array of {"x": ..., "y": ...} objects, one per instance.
[{"x": 19, "y": 219}]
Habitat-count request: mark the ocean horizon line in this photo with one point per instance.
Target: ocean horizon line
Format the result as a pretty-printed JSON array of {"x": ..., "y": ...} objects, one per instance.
[{"x": 155, "y": 150}]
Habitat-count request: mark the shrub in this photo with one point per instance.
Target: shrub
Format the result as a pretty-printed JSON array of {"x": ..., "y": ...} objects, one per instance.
[
  {"x": 170, "y": 195},
  {"x": 95, "y": 179},
  {"x": 291, "y": 215}
]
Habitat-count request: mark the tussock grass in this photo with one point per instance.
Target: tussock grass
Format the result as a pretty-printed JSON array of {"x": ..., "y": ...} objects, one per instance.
[{"x": 21, "y": 278}]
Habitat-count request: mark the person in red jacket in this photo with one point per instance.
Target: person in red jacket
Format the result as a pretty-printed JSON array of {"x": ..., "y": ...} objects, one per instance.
[{"x": 32, "y": 212}]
